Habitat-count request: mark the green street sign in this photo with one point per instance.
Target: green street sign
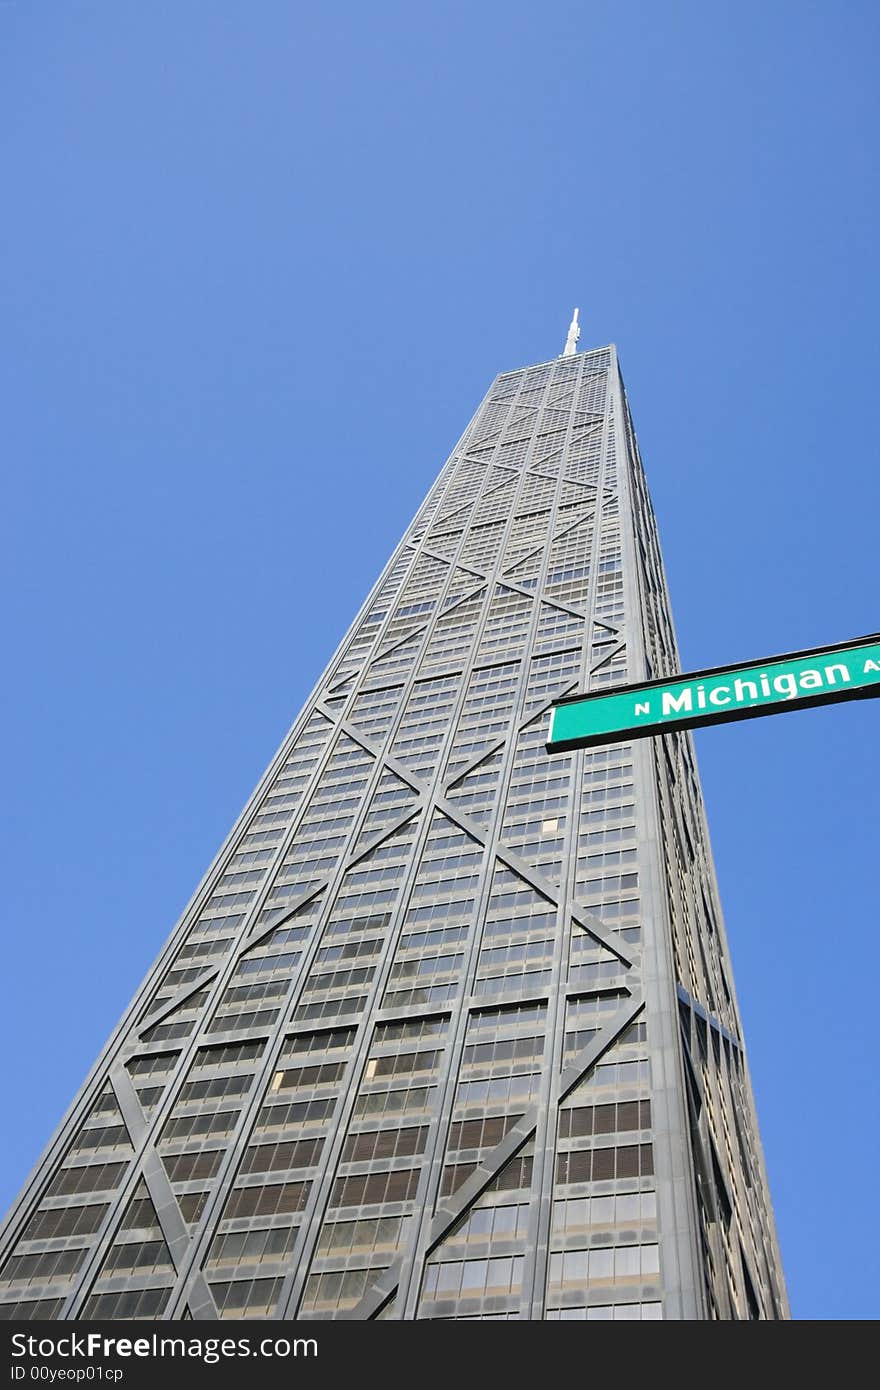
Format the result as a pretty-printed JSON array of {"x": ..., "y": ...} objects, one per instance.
[{"x": 822, "y": 676}]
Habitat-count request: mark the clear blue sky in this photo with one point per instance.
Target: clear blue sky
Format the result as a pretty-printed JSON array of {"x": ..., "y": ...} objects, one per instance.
[{"x": 255, "y": 259}]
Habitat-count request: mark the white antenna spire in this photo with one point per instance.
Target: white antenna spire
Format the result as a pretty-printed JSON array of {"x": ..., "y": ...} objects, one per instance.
[{"x": 574, "y": 332}]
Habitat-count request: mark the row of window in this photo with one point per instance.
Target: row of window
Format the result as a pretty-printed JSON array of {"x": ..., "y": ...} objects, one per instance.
[
  {"x": 598, "y": 1165},
  {"x": 601, "y": 1264}
]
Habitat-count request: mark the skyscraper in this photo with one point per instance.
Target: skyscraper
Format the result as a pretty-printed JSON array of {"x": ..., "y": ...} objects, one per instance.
[{"x": 449, "y": 1028}]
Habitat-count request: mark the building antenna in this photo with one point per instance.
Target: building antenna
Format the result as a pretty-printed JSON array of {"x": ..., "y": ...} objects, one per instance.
[{"x": 574, "y": 332}]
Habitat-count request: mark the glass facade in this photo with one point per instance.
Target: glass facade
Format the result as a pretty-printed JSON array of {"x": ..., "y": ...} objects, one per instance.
[{"x": 449, "y": 1029}]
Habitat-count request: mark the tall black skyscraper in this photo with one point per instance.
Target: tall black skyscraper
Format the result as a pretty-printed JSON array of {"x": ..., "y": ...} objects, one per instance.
[{"x": 449, "y": 1028}]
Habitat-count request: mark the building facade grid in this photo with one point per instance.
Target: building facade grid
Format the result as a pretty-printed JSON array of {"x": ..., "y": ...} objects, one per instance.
[{"x": 449, "y": 1028}]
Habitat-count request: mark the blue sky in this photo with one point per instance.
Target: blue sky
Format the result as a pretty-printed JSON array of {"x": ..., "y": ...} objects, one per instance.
[{"x": 258, "y": 259}]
